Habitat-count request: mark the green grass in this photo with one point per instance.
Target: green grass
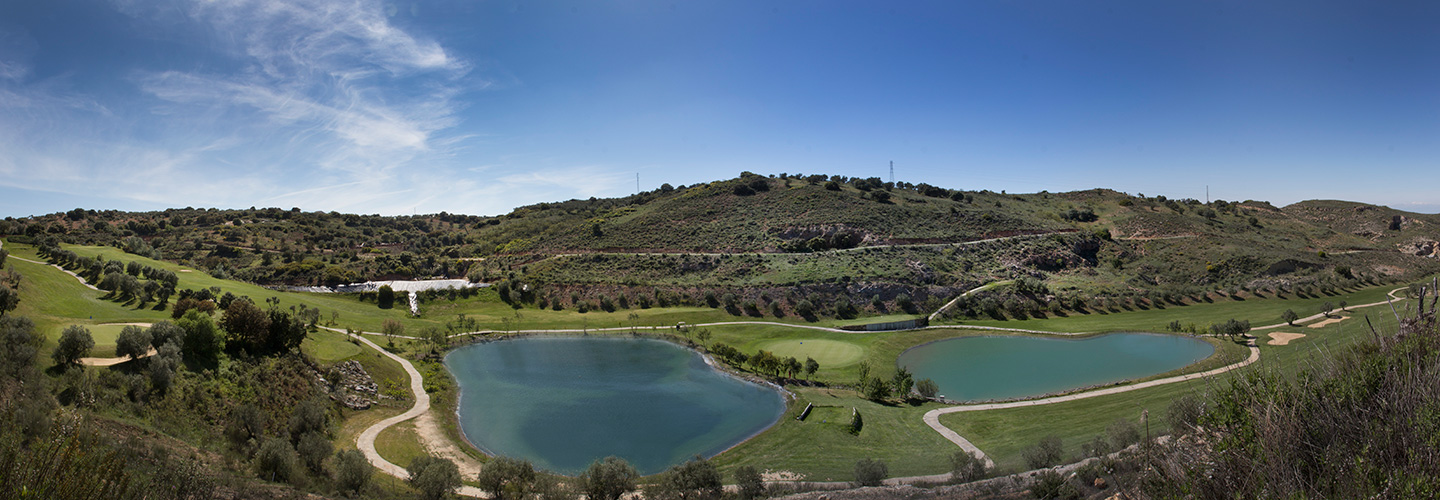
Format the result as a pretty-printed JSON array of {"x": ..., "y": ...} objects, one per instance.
[
  {"x": 826, "y": 451},
  {"x": 400, "y": 444},
  {"x": 1259, "y": 311},
  {"x": 833, "y": 353}
]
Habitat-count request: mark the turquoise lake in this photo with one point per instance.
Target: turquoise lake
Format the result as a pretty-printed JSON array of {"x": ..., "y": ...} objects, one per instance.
[
  {"x": 564, "y": 402},
  {"x": 986, "y": 368}
]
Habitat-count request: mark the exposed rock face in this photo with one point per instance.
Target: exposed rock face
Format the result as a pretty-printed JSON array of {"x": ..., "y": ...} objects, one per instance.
[
  {"x": 1421, "y": 247},
  {"x": 351, "y": 385}
]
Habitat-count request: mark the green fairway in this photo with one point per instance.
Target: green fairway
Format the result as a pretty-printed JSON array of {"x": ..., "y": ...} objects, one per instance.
[{"x": 832, "y": 353}]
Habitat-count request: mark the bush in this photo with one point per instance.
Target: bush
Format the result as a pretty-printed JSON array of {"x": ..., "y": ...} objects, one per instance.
[
  {"x": 313, "y": 448},
  {"x": 1184, "y": 413},
  {"x": 434, "y": 477},
  {"x": 696, "y": 478},
  {"x": 1123, "y": 433},
  {"x": 927, "y": 388},
  {"x": 870, "y": 472},
  {"x": 1048, "y": 452},
  {"x": 276, "y": 460},
  {"x": 1051, "y": 485},
  {"x": 312, "y": 415},
  {"x": 352, "y": 471},
  {"x": 750, "y": 483},
  {"x": 507, "y": 478},
  {"x": 385, "y": 298},
  {"x": 965, "y": 467},
  {"x": 608, "y": 479}
]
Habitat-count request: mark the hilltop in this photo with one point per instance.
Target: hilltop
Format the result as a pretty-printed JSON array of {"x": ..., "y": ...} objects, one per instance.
[{"x": 831, "y": 237}]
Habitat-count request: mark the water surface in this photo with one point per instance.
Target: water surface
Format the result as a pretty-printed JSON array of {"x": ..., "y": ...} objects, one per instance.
[
  {"x": 564, "y": 402},
  {"x": 984, "y": 368}
]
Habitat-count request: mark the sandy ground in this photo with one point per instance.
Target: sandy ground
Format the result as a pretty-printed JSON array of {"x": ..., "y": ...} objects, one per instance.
[
  {"x": 111, "y": 361},
  {"x": 1328, "y": 322},
  {"x": 781, "y": 475},
  {"x": 435, "y": 441},
  {"x": 1283, "y": 338}
]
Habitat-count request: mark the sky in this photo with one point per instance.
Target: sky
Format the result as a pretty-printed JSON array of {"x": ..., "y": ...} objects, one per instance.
[{"x": 477, "y": 107}]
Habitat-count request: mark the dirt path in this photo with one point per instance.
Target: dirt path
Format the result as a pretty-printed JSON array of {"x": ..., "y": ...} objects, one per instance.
[{"x": 433, "y": 439}]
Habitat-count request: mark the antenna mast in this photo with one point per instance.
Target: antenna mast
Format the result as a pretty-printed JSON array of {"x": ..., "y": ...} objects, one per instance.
[
  {"x": 892, "y": 171},
  {"x": 637, "y": 183}
]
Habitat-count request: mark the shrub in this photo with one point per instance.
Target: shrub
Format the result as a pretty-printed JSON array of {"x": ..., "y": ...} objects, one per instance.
[
  {"x": 352, "y": 471},
  {"x": 434, "y": 477},
  {"x": 1049, "y": 451},
  {"x": 696, "y": 478},
  {"x": 385, "y": 298},
  {"x": 927, "y": 388},
  {"x": 1123, "y": 433},
  {"x": 608, "y": 479},
  {"x": 1184, "y": 413},
  {"x": 313, "y": 448},
  {"x": 750, "y": 483},
  {"x": 276, "y": 460},
  {"x": 965, "y": 467},
  {"x": 870, "y": 472},
  {"x": 1051, "y": 485},
  {"x": 507, "y": 478}
]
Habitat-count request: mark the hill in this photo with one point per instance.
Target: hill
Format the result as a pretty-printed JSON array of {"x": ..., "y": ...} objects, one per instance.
[{"x": 863, "y": 240}]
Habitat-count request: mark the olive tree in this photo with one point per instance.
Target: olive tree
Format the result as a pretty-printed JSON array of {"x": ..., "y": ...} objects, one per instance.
[
  {"x": 434, "y": 477},
  {"x": 608, "y": 479},
  {"x": 507, "y": 478},
  {"x": 75, "y": 343}
]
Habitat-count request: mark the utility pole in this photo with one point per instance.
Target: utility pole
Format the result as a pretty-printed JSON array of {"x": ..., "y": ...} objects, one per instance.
[
  {"x": 892, "y": 171},
  {"x": 1207, "y": 194},
  {"x": 637, "y": 183}
]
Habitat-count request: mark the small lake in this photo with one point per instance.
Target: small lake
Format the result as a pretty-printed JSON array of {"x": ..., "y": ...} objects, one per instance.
[
  {"x": 564, "y": 402},
  {"x": 986, "y": 368}
]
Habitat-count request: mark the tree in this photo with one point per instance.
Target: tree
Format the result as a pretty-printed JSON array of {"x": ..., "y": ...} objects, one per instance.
[
  {"x": 965, "y": 467},
  {"x": 805, "y": 309},
  {"x": 876, "y": 389},
  {"x": 811, "y": 366},
  {"x": 133, "y": 342},
  {"x": 507, "y": 478},
  {"x": 1049, "y": 451},
  {"x": 751, "y": 484},
  {"x": 19, "y": 345},
  {"x": 869, "y": 472},
  {"x": 1326, "y": 308},
  {"x": 313, "y": 448},
  {"x": 385, "y": 298},
  {"x": 696, "y": 478},
  {"x": 903, "y": 382},
  {"x": 1343, "y": 304},
  {"x": 246, "y": 326},
  {"x": 75, "y": 343},
  {"x": 9, "y": 299},
  {"x": 276, "y": 460},
  {"x": 202, "y": 342},
  {"x": 927, "y": 388},
  {"x": 608, "y": 479},
  {"x": 392, "y": 328},
  {"x": 245, "y": 426},
  {"x": 1289, "y": 316},
  {"x": 434, "y": 477},
  {"x": 352, "y": 471},
  {"x": 311, "y": 415}
]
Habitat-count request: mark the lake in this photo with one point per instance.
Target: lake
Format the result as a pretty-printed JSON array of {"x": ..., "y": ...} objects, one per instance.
[
  {"x": 564, "y": 402},
  {"x": 1009, "y": 367}
]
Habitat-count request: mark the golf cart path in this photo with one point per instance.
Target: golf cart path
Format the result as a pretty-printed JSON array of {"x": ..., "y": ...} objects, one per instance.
[{"x": 932, "y": 417}]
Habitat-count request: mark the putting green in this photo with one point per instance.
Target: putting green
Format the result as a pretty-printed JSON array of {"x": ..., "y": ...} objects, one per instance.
[{"x": 829, "y": 353}]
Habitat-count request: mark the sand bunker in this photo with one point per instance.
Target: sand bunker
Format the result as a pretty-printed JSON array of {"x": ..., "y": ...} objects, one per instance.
[
  {"x": 1328, "y": 322},
  {"x": 1283, "y": 338}
]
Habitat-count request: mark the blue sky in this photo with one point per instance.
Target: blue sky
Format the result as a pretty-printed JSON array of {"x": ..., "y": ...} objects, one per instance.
[{"x": 477, "y": 107}]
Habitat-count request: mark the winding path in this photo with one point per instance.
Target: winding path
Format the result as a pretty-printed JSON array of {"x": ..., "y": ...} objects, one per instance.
[
  {"x": 932, "y": 417},
  {"x": 366, "y": 441},
  {"x": 435, "y": 441}
]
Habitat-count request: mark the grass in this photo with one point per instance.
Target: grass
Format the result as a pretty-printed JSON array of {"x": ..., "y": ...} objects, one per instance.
[
  {"x": 1259, "y": 311},
  {"x": 400, "y": 444},
  {"x": 824, "y": 449},
  {"x": 826, "y": 352}
]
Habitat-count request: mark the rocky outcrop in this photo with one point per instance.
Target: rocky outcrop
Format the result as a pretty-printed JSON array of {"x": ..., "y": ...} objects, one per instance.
[
  {"x": 350, "y": 385},
  {"x": 1421, "y": 247}
]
